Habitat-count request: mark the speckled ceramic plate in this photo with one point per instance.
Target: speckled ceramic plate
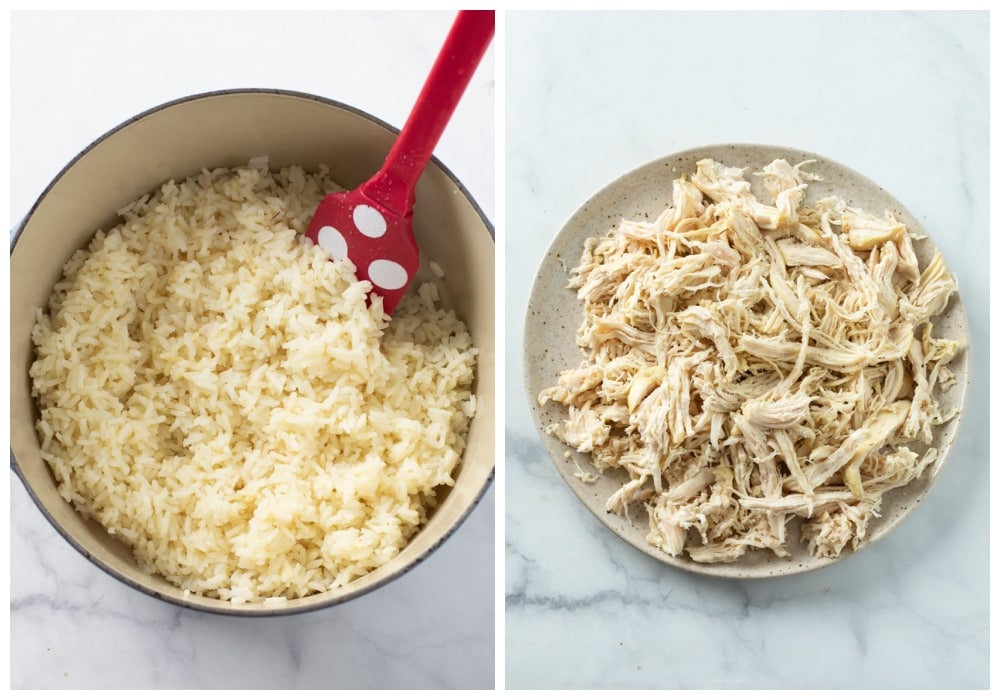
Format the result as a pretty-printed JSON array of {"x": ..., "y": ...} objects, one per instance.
[{"x": 554, "y": 314}]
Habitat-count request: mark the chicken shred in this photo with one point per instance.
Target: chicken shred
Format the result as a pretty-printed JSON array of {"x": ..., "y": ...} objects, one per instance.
[{"x": 751, "y": 362}]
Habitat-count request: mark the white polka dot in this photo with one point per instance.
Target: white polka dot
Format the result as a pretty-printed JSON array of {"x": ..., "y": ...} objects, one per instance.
[
  {"x": 333, "y": 242},
  {"x": 387, "y": 274},
  {"x": 369, "y": 221}
]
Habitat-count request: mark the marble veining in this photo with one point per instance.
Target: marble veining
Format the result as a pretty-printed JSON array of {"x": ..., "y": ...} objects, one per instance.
[
  {"x": 72, "y": 625},
  {"x": 900, "y": 97}
]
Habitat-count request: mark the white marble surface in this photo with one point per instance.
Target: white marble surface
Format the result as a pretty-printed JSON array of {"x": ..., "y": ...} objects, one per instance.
[
  {"x": 899, "y": 97},
  {"x": 71, "y": 626}
]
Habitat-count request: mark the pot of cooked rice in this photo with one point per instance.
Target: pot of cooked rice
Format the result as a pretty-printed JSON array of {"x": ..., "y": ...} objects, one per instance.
[{"x": 206, "y": 406}]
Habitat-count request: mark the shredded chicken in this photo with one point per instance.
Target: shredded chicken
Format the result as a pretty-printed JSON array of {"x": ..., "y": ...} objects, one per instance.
[{"x": 752, "y": 362}]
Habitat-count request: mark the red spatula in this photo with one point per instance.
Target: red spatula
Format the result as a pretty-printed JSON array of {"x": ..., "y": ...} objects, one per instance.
[{"x": 372, "y": 225}]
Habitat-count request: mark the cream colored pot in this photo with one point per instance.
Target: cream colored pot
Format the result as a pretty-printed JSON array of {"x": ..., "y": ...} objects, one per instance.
[{"x": 227, "y": 129}]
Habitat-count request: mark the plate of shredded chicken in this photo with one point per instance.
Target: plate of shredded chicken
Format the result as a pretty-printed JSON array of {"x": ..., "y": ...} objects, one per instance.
[{"x": 746, "y": 360}]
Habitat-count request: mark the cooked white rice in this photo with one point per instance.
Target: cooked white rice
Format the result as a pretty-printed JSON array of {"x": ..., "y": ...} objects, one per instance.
[{"x": 217, "y": 393}]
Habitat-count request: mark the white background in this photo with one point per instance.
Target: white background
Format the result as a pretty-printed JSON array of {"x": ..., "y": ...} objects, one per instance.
[
  {"x": 902, "y": 98},
  {"x": 75, "y": 76}
]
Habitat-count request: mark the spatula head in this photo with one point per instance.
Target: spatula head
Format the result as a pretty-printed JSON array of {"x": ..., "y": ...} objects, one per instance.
[{"x": 350, "y": 225}]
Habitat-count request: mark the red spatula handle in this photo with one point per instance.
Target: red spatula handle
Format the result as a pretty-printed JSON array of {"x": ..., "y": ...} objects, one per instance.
[{"x": 393, "y": 185}]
